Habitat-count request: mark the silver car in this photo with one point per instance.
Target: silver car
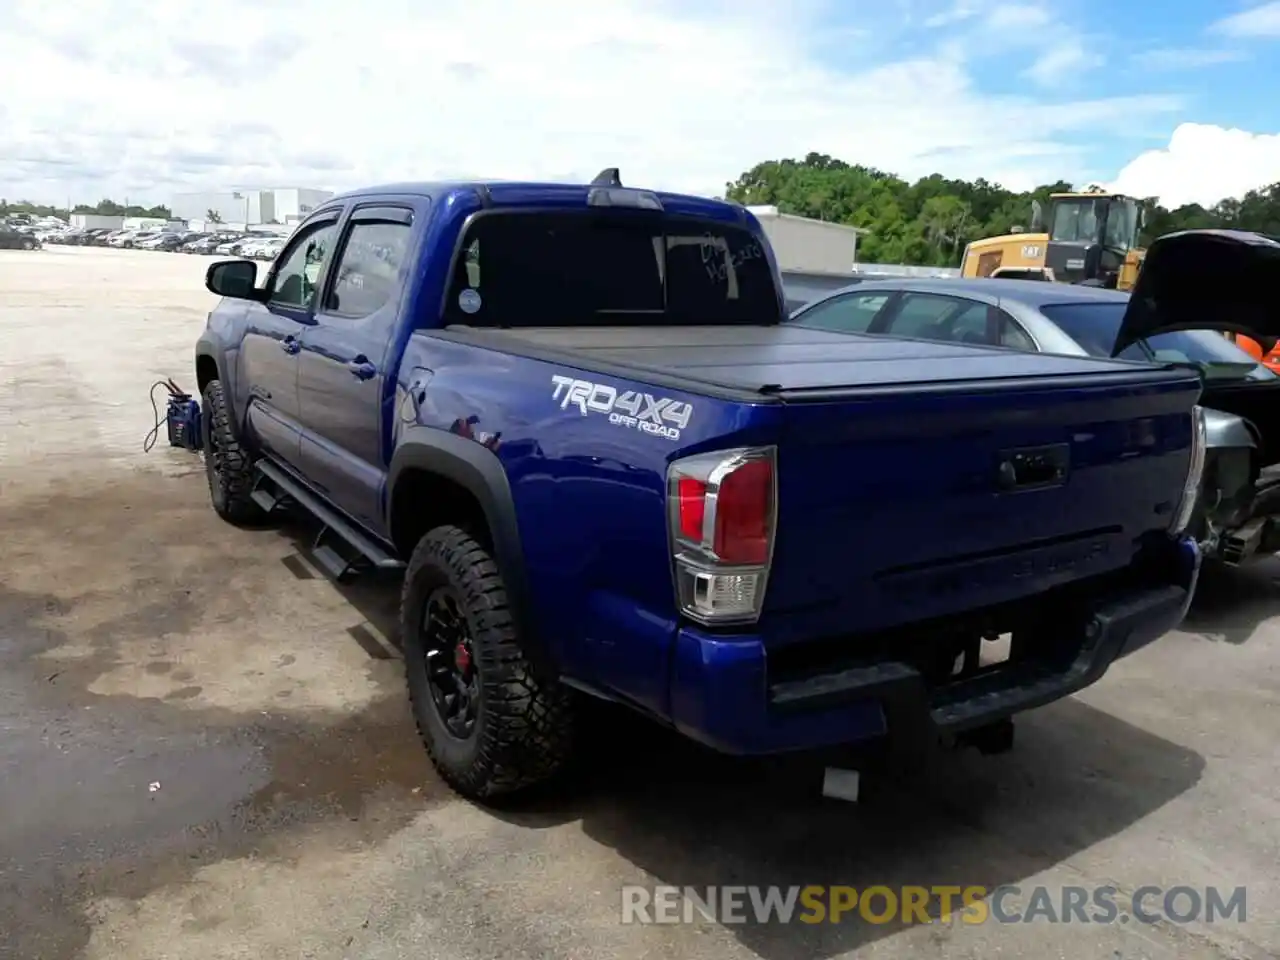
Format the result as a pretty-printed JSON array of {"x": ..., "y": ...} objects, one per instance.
[
  {"x": 1238, "y": 516},
  {"x": 1020, "y": 314}
]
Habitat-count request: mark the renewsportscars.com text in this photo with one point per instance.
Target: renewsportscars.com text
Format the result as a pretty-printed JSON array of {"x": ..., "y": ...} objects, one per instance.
[{"x": 919, "y": 904}]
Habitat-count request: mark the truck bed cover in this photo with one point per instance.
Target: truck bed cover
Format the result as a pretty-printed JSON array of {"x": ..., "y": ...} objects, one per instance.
[{"x": 793, "y": 362}]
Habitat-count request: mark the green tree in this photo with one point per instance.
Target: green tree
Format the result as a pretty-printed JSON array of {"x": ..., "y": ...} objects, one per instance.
[{"x": 930, "y": 221}]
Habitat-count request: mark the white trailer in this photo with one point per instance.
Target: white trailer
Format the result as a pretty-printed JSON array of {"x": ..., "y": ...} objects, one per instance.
[
  {"x": 96, "y": 221},
  {"x": 817, "y": 257},
  {"x": 812, "y": 246}
]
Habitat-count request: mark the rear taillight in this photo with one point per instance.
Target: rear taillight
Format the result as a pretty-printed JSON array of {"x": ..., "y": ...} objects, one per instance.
[{"x": 722, "y": 508}]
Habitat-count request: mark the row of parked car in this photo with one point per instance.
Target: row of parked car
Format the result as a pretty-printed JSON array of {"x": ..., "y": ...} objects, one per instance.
[{"x": 256, "y": 246}]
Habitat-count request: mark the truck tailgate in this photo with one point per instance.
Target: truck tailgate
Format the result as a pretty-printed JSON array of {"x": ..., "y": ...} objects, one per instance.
[{"x": 896, "y": 507}]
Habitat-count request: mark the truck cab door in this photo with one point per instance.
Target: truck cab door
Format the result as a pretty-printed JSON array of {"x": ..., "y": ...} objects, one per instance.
[
  {"x": 343, "y": 372},
  {"x": 273, "y": 339}
]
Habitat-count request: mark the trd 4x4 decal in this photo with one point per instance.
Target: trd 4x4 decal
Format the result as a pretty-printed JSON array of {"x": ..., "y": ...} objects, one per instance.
[{"x": 660, "y": 416}]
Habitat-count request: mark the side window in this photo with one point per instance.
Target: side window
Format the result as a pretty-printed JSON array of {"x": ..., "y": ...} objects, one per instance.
[
  {"x": 368, "y": 270},
  {"x": 969, "y": 325},
  {"x": 921, "y": 315},
  {"x": 1012, "y": 334},
  {"x": 299, "y": 268},
  {"x": 851, "y": 313}
]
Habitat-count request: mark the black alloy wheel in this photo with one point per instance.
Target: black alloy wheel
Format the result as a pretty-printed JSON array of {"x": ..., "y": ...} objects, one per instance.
[{"x": 452, "y": 673}]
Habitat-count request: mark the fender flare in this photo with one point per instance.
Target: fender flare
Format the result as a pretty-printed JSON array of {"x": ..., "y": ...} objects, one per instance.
[
  {"x": 211, "y": 346},
  {"x": 478, "y": 471}
]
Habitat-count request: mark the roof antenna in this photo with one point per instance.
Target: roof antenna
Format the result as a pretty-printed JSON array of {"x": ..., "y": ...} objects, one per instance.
[{"x": 608, "y": 177}]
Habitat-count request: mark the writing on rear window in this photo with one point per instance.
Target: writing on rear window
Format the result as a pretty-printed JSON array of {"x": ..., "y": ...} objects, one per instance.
[
  {"x": 660, "y": 416},
  {"x": 719, "y": 260}
]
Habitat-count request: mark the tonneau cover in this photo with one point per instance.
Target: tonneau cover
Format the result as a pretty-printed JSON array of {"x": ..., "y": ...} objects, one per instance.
[{"x": 784, "y": 358}]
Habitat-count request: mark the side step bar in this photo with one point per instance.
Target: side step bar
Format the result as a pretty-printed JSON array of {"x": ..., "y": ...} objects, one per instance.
[{"x": 369, "y": 553}]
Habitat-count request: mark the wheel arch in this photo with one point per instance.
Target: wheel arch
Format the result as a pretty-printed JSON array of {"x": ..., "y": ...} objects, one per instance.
[
  {"x": 441, "y": 478},
  {"x": 211, "y": 364}
]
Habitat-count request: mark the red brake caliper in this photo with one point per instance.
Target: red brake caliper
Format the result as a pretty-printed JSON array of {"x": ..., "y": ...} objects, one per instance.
[{"x": 462, "y": 657}]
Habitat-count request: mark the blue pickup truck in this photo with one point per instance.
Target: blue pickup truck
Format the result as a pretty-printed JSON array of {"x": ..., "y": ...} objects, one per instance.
[{"x": 571, "y": 418}]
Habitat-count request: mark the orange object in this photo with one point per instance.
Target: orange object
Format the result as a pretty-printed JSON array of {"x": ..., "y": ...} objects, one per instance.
[{"x": 1250, "y": 346}]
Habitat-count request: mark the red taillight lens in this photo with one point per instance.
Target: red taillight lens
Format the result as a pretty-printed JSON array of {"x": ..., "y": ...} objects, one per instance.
[
  {"x": 743, "y": 507},
  {"x": 692, "y": 494},
  {"x": 721, "y": 509}
]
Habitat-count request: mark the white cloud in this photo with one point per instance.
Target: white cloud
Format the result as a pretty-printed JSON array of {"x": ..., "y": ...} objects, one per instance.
[
  {"x": 1017, "y": 16},
  {"x": 1186, "y": 58},
  {"x": 960, "y": 11},
  {"x": 1203, "y": 164},
  {"x": 1069, "y": 58},
  {"x": 1263, "y": 21},
  {"x": 141, "y": 99}
]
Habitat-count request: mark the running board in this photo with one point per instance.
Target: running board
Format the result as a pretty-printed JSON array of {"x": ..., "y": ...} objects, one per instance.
[
  {"x": 331, "y": 561},
  {"x": 267, "y": 501}
]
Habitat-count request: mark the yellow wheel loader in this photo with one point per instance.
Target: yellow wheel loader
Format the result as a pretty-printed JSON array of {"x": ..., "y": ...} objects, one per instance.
[{"x": 1091, "y": 238}]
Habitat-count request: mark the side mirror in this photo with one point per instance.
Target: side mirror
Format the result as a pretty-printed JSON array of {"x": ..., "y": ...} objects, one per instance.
[
  {"x": 1037, "y": 217},
  {"x": 233, "y": 278}
]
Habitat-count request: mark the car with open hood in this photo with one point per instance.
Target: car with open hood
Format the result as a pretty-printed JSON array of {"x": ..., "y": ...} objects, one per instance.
[{"x": 1194, "y": 286}]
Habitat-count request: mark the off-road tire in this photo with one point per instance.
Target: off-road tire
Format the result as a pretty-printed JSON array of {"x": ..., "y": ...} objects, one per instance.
[
  {"x": 231, "y": 482},
  {"x": 524, "y": 729}
]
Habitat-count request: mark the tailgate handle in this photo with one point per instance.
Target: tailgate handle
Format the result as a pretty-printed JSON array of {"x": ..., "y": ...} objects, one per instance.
[{"x": 1033, "y": 467}]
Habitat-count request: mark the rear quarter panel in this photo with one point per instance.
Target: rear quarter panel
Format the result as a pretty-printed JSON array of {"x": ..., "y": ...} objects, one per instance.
[{"x": 589, "y": 496}]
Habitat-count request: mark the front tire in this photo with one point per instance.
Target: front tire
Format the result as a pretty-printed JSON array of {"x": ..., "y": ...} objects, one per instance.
[
  {"x": 227, "y": 464},
  {"x": 28, "y": 245},
  {"x": 491, "y": 724}
]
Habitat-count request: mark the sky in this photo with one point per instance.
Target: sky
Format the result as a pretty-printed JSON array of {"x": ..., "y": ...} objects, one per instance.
[{"x": 140, "y": 99}]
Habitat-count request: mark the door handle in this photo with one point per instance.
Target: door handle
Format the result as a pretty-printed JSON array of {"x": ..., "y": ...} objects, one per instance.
[
  {"x": 290, "y": 344},
  {"x": 361, "y": 368}
]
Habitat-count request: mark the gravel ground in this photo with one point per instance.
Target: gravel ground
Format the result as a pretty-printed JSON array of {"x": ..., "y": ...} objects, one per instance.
[{"x": 205, "y": 750}]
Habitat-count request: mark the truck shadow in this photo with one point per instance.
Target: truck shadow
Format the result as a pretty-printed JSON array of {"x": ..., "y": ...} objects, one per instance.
[
  {"x": 1231, "y": 603},
  {"x": 375, "y": 598},
  {"x": 691, "y": 818}
]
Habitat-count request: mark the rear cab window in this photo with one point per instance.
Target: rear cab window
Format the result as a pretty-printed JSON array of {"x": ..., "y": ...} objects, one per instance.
[{"x": 609, "y": 267}]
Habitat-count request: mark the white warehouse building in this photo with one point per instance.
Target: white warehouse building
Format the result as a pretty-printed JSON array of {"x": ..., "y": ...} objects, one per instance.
[
  {"x": 275, "y": 205},
  {"x": 801, "y": 243},
  {"x": 295, "y": 203}
]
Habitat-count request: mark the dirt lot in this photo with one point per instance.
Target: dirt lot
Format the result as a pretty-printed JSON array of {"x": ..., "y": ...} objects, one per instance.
[{"x": 205, "y": 753}]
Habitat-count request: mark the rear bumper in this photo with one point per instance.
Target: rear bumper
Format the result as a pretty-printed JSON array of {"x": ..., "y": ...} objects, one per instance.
[{"x": 723, "y": 696}]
